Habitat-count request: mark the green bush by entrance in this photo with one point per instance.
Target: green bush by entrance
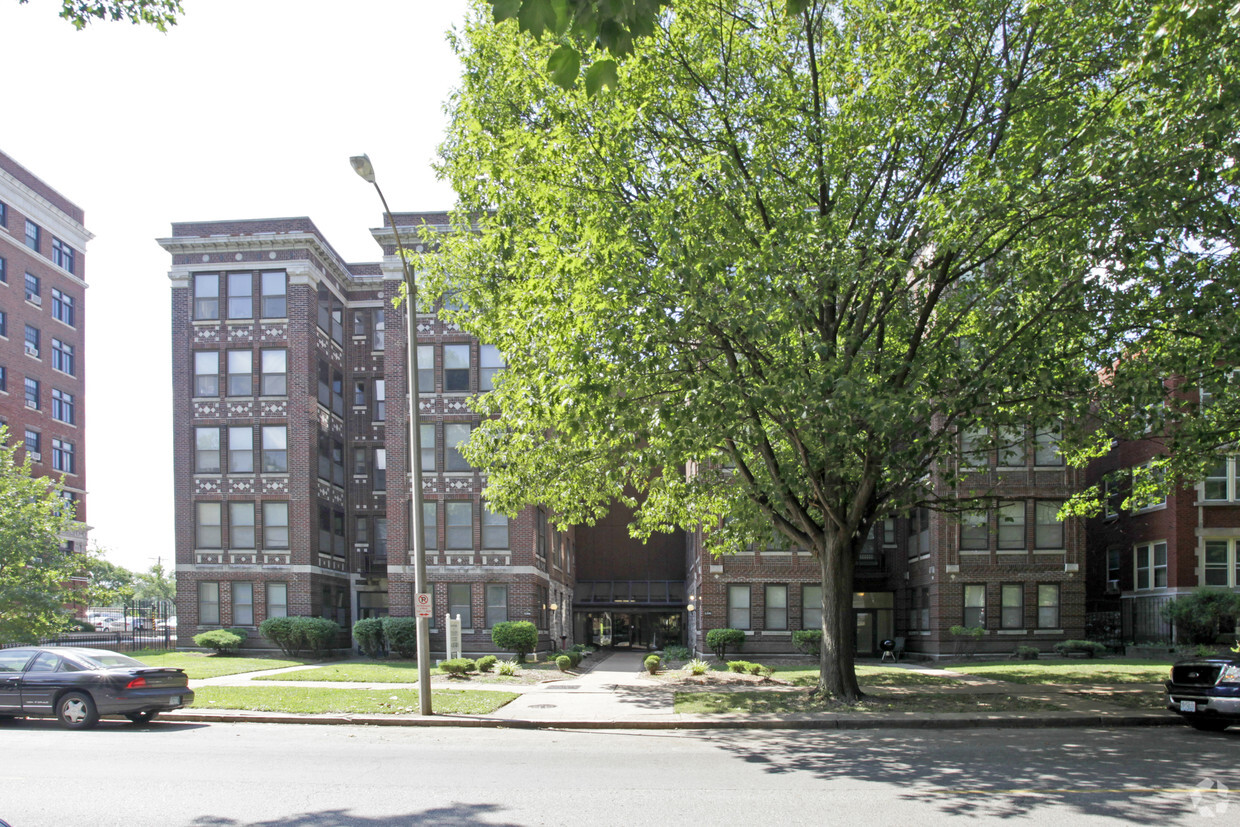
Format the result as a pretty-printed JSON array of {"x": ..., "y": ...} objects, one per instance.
[{"x": 519, "y": 636}]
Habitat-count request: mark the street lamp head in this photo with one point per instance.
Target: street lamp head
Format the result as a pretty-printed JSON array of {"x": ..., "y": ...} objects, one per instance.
[{"x": 362, "y": 166}]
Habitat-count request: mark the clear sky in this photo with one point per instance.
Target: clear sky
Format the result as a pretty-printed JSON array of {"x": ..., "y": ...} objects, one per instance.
[{"x": 245, "y": 109}]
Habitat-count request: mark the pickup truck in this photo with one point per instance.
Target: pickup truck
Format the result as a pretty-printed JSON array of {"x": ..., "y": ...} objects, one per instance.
[{"x": 1206, "y": 692}]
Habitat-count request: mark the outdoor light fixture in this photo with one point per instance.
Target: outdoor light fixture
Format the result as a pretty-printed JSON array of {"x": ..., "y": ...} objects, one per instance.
[{"x": 362, "y": 166}]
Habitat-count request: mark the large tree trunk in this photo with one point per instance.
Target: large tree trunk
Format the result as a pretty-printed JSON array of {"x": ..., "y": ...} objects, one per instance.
[{"x": 838, "y": 675}]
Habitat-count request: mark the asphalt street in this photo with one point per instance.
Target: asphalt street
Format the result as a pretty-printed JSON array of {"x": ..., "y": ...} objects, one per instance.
[{"x": 217, "y": 774}]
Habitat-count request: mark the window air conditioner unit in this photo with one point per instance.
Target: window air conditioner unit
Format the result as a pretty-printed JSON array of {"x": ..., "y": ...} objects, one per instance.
[
  {"x": 31, "y": 405},
  {"x": 1112, "y": 587},
  {"x": 35, "y": 456},
  {"x": 34, "y": 298},
  {"x": 32, "y": 350}
]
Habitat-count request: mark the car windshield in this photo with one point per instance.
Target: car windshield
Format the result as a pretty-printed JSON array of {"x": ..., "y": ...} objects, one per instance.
[{"x": 110, "y": 660}]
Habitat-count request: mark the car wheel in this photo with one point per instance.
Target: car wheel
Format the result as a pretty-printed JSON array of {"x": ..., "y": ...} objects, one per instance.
[
  {"x": 76, "y": 710},
  {"x": 142, "y": 717},
  {"x": 1209, "y": 724}
]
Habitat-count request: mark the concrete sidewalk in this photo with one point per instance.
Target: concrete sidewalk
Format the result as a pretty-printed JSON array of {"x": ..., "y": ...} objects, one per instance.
[{"x": 614, "y": 693}]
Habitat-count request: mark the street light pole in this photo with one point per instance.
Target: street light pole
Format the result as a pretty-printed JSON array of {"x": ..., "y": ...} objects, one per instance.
[{"x": 362, "y": 166}]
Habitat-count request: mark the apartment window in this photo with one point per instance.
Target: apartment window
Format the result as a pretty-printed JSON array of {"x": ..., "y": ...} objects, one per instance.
[
  {"x": 4, "y": 379},
  {"x": 494, "y": 529},
  {"x": 32, "y": 393},
  {"x": 62, "y": 254},
  {"x": 974, "y": 605},
  {"x": 338, "y": 393},
  {"x": 62, "y": 405},
  {"x": 240, "y": 372},
  {"x": 62, "y": 356},
  {"x": 1048, "y": 606},
  {"x": 776, "y": 608},
  {"x": 207, "y": 526},
  {"x": 241, "y": 525},
  {"x": 207, "y": 450},
  {"x": 206, "y": 296},
  {"x": 32, "y": 289},
  {"x": 1048, "y": 529},
  {"x": 540, "y": 533},
  {"x": 32, "y": 443},
  {"x": 738, "y": 607},
  {"x": 1151, "y": 565},
  {"x": 275, "y": 449},
  {"x": 380, "y": 400},
  {"x": 974, "y": 448},
  {"x": 455, "y": 434},
  {"x": 277, "y": 600},
  {"x": 338, "y": 537},
  {"x": 460, "y": 603},
  {"x": 381, "y": 540},
  {"x": 4, "y": 215},
  {"x": 1012, "y": 525},
  {"x": 426, "y": 368},
  {"x": 919, "y": 532},
  {"x": 325, "y": 461},
  {"x": 243, "y": 603},
  {"x": 455, "y": 368},
  {"x": 1046, "y": 447},
  {"x": 62, "y": 456},
  {"x": 4, "y": 270},
  {"x": 359, "y": 393},
  {"x": 497, "y": 604},
  {"x": 32, "y": 340},
  {"x": 1012, "y": 606},
  {"x": 490, "y": 363},
  {"x": 975, "y": 530},
  {"x": 240, "y": 449},
  {"x": 33, "y": 235},
  {"x": 1220, "y": 482},
  {"x": 275, "y": 525},
  {"x": 381, "y": 332},
  {"x": 1011, "y": 447},
  {"x": 361, "y": 531},
  {"x": 4, "y": 324},
  {"x": 380, "y": 469},
  {"x": 208, "y": 603},
  {"x": 206, "y": 373},
  {"x": 360, "y": 466},
  {"x": 426, "y": 440},
  {"x": 274, "y": 303},
  {"x": 430, "y": 525},
  {"x": 458, "y": 525},
  {"x": 274, "y": 379},
  {"x": 325, "y": 530},
  {"x": 62, "y": 307}
]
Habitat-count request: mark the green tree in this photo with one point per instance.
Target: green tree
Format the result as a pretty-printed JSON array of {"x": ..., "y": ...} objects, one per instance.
[
  {"x": 156, "y": 584},
  {"x": 776, "y": 279},
  {"x": 108, "y": 584},
  {"x": 158, "y": 13},
  {"x": 34, "y": 569}
]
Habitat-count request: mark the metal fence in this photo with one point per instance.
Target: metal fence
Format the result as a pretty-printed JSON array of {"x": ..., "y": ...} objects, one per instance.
[
  {"x": 162, "y": 640},
  {"x": 1143, "y": 621}
]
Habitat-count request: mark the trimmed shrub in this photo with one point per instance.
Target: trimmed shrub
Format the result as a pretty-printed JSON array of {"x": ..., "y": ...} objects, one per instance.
[
  {"x": 296, "y": 634},
  {"x": 519, "y": 636},
  {"x": 564, "y": 662},
  {"x": 401, "y": 635},
  {"x": 1027, "y": 652},
  {"x": 458, "y": 667},
  {"x": 79, "y": 625},
  {"x": 575, "y": 657},
  {"x": 740, "y": 667},
  {"x": 320, "y": 633},
  {"x": 1080, "y": 647},
  {"x": 697, "y": 666},
  {"x": 487, "y": 662},
  {"x": 223, "y": 641},
  {"x": 508, "y": 667},
  {"x": 368, "y": 633},
  {"x": 1200, "y": 616},
  {"x": 677, "y": 653},
  {"x": 652, "y": 664},
  {"x": 281, "y": 632},
  {"x": 808, "y": 641},
  {"x": 720, "y": 639}
]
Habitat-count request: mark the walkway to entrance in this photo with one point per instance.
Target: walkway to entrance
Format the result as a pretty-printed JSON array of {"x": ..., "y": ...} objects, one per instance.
[{"x": 612, "y": 690}]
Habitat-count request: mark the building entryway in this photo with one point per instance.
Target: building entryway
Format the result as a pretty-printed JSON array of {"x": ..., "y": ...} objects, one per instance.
[{"x": 629, "y": 630}]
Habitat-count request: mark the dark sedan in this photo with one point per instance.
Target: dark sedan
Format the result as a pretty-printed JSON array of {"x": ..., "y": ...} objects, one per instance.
[{"x": 77, "y": 685}]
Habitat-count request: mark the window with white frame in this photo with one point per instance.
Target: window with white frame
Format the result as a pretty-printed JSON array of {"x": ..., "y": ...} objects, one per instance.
[
  {"x": 275, "y": 525},
  {"x": 206, "y": 373},
  {"x": 274, "y": 379},
  {"x": 1046, "y": 447},
  {"x": 1048, "y": 605},
  {"x": 62, "y": 254},
  {"x": 974, "y": 605},
  {"x": 1221, "y": 562},
  {"x": 490, "y": 363},
  {"x": 208, "y": 603},
  {"x": 738, "y": 607},
  {"x": 1220, "y": 483},
  {"x": 240, "y": 449},
  {"x": 207, "y": 450},
  {"x": 62, "y": 406},
  {"x": 62, "y": 307},
  {"x": 62, "y": 456},
  {"x": 274, "y": 295},
  {"x": 426, "y": 441},
  {"x": 240, "y": 373},
  {"x": 1012, "y": 525},
  {"x": 243, "y": 603},
  {"x": 207, "y": 525},
  {"x": 62, "y": 356},
  {"x": 1150, "y": 561},
  {"x": 455, "y": 434},
  {"x": 32, "y": 393},
  {"x": 277, "y": 600},
  {"x": 1048, "y": 528},
  {"x": 426, "y": 368},
  {"x": 1011, "y": 606},
  {"x": 455, "y": 368},
  {"x": 380, "y": 400},
  {"x": 776, "y": 617},
  {"x": 33, "y": 233},
  {"x": 240, "y": 295},
  {"x": 206, "y": 296},
  {"x": 241, "y": 525}
]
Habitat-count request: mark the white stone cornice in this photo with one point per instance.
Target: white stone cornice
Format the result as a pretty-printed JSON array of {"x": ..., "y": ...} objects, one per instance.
[
  {"x": 43, "y": 212},
  {"x": 256, "y": 242}
]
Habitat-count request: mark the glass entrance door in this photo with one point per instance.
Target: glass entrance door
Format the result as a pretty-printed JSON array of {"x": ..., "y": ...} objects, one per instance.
[{"x": 867, "y": 644}]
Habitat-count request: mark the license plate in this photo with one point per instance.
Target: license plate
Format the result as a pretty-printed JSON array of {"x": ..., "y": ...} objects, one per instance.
[
  {"x": 175, "y": 699},
  {"x": 1188, "y": 706}
]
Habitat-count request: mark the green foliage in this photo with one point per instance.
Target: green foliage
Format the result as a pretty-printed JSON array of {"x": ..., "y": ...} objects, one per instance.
[
  {"x": 107, "y": 583},
  {"x": 368, "y": 632},
  {"x": 156, "y": 584},
  {"x": 294, "y": 635},
  {"x": 1027, "y": 652},
  {"x": 509, "y": 668},
  {"x": 34, "y": 570},
  {"x": 519, "y": 636},
  {"x": 742, "y": 667},
  {"x": 223, "y": 641},
  {"x": 564, "y": 662},
  {"x": 401, "y": 634},
  {"x": 458, "y": 667},
  {"x": 652, "y": 664},
  {"x": 77, "y": 625},
  {"x": 808, "y": 641},
  {"x": 676, "y": 653},
  {"x": 158, "y": 13},
  {"x": 487, "y": 662},
  {"x": 967, "y": 631},
  {"x": 1080, "y": 647},
  {"x": 697, "y": 666},
  {"x": 1199, "y": 617},
  {"x": 720, "y": 640}
]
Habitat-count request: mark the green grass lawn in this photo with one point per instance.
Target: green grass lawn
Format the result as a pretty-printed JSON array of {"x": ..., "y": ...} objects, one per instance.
[
  {"x": 200, "y": 665},
  {"x": 318, "y": 700},
  {"x": 803, "y": 675},
  {"x": 761, "y": 702},
  {"x": 1069, "y": 671},
  {"x": 405, "y": 671}
]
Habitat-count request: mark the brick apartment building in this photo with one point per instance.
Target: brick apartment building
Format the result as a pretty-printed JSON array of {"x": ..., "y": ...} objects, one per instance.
[{"x": 42, "y": 331}]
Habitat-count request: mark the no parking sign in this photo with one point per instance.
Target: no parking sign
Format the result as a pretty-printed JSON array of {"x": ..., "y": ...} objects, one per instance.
[{"x": 422, "y": 605}]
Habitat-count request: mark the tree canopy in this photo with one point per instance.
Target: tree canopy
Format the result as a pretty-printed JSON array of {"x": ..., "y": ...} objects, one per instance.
[
  {"x": 35, "y": 570},
  {"x": 775, "y": 278},
  {"x": 158, "y": 13}
]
